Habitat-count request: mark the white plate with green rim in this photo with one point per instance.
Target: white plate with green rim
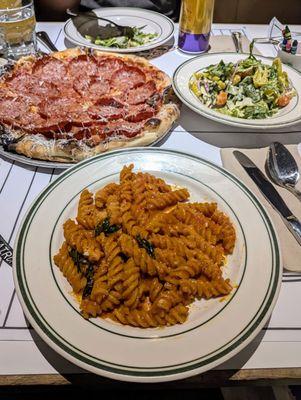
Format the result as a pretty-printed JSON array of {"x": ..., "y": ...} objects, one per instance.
[
  {"x": 152, "y": 22},
  {"x": 215, "y": 330},
  {"x": 288, "y": 116}
]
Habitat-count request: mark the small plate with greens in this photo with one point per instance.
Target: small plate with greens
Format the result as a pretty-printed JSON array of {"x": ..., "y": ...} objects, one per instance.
[
  {"x": 147, "y": 29},
  {"x": 240, "y": 90}
]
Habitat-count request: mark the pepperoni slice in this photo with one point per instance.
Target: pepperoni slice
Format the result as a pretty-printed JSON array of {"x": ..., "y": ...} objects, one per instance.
[
  {"x": 51, "y": 129},
  {"x": 50, "y": 69},
  {"x": 16, "y": 112},
  {"x": 69, "y": 92},
  {"x": 107, "y": 66},
  {"x": 64, "y": 107},
  {"x": 66, "y": 110},
  {"x": 127, "y": 78},
  {"x": 81, "y": 133},
  {"x": 83, "y": 66},
  {"x": 94, "y": 132},
  {"x": 33, "y": 88},
  {"x": 92, "y": 88},
  {"x": 54, "y": 128},
  {"x": 81, "y": 85},
  {"x": 12, "y": 109},
  {"x": 44, "y": 89},
  {"x": 141, "y": 93},
  {"x": 20, "y": 82},
  {"x": 105, "y": 112},
  {"x": 107, "y": 108},
  {"x": 139, "y": 113},
  {"x": 98, "y": 88},
  {"x": 34, "y": 123},
  {"x": 109, "y": 101},
  {"x": 128, "y": 129}
]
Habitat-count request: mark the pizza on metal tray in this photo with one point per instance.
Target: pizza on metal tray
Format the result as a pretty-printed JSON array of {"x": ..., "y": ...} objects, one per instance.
[{"x": 74, "y": 104}]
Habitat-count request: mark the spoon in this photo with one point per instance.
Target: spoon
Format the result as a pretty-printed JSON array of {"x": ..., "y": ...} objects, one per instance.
[
  {"x": 236, "y": 37},
  {"x": 282, "y": 168}
]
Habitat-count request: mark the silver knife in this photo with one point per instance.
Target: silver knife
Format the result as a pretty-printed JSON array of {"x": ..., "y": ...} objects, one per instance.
[
  {"x": 271, "y": 194},
  {"x": 46, "y": 41}
]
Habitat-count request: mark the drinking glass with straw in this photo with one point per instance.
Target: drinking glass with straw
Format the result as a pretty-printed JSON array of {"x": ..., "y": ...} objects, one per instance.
[
  {"x": 195, "y": 25},
  {"x": 17, "y": 28}
]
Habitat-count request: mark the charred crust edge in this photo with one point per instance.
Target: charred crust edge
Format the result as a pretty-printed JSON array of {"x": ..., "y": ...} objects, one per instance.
[
  {"x": 169, "y": 96},
  {"x": 153, "y": 122}
]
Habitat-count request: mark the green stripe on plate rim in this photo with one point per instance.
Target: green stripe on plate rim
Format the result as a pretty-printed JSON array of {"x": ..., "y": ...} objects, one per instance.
[
  {"x": 136, "y": 150},
  {"x": 219, "y": 116},
  {"x": 148, "y": 337},
  {"x": 77, "y": 355}
]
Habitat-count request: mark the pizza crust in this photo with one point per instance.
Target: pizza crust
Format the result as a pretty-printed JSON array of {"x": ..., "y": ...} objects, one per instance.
[
  {"x": 72, "y": 150},
  {"x": 37, "y": 146}
]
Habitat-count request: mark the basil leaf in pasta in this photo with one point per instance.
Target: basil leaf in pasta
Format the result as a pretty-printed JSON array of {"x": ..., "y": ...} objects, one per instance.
[
  {"x": 78, "y": 259},
  {"x": 145, "y": 244},
  {"x": 123, "y": 256},
  {"x": 102, "y": 227},
  {"x": 112, "y": 229},
  {"x": 90, "y": 281},
  {"x": 97, "y": 230},
  {"x": 106, "y": 228}
]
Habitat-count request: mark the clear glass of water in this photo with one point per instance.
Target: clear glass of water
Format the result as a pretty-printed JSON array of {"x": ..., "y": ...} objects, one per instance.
[{"x": 17, "y": 28}]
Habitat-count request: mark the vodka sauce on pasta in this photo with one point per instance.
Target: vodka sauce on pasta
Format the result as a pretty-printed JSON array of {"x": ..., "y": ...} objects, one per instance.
[{"x": 139, "y": 253}]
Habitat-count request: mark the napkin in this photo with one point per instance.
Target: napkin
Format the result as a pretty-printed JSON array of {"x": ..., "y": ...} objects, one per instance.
[
  {"x": 224, "y": 43},
  {"x": 291, "y": 250}
]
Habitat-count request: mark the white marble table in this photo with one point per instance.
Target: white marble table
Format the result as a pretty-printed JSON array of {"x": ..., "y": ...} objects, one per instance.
[{"x": 24, "y": 358}]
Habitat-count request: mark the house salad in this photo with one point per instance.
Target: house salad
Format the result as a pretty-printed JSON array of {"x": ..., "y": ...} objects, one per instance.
[
  {"x": 136, "y": 37},
  {"x": 247, "y": 89}
]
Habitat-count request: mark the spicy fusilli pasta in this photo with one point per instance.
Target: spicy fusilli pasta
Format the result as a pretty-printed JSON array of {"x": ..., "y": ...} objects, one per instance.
[{"x": 139, "y": 253}]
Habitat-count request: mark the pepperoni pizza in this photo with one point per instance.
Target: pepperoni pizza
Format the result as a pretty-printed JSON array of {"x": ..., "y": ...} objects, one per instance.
[{"x": 74, "y": 104}]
